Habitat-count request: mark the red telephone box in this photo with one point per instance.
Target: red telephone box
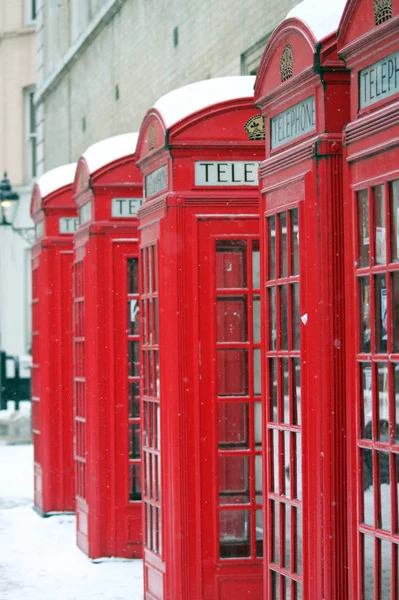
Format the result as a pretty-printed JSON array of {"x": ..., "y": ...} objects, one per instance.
[
  {"x": 302, "y": 91},
  {"x": 199, "y": 149},
  {"x": 54, "y": 214},
  {"x": 369, "y": 44},
  {"x": 108, "y": 192}
]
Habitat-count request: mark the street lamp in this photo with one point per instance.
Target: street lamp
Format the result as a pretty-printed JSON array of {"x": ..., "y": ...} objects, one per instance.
[{"x": 8, "y": 205}]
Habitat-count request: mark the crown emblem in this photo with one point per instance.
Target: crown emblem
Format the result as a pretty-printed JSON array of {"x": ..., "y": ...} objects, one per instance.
[
  {"x": 286, "y": 63},
  {"x": 255, "y": 128},
  {"x": 382, "y": 11}
]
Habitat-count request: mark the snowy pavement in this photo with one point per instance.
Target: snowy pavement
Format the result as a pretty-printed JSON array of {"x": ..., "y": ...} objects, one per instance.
[{"x": 38, "y": 557}]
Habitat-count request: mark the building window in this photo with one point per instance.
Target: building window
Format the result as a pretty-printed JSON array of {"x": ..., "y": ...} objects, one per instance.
[
  {"x": 30, "y": 11},
  {"x": 31, "y": 135},
  {"x": 250, "y": 59}
]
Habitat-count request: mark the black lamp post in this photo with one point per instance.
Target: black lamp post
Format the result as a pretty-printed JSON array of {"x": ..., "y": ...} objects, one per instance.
[{"x": 7, "y": 210}]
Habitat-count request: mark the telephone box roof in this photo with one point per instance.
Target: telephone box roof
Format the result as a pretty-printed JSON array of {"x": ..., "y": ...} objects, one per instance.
[
  {"x": 189, "y": 99},
  {"x": 56, "y": 179},
  {"x": 321, "y": 16},
  {"x": 107, "y": 151}
]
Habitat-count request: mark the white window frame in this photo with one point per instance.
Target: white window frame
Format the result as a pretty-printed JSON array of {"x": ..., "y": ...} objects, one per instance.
[
  {"x": 30, "y": 10},
  {"x": 30, "y": 134}
]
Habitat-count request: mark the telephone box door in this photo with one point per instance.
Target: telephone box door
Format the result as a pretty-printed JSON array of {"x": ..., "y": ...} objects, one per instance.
[{"x": 230, "y": 409}]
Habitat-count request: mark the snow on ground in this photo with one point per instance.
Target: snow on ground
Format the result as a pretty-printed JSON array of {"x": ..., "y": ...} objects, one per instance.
[{"x": 38, "y": 557}]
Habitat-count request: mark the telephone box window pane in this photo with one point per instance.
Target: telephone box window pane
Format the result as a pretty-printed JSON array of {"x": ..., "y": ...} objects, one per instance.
[
  {"x": 381, "y": 325},
  {"x": 380, "y": 227},
  {"x": 134, "y": 365},
  {"x": 386, "y": 570},
  {"x": 287, "y": 558},
  {"x": 134, "y": 440},
  {"x": 296, "y": 390},
  {"x": 368, "y": 567},
  {"x": 231, "y": 264},
  {"x": 149, "y": 269},
  {"x": 395, "y": 311},
  {"x": 232, "y": 372},
  {"x": 259, "y": 533},
  {"x": 256, "y": 319},
  {"x": 294, "y": 242},
  {"x": 298, "y": 566},
  {"x": 234, "y": 528},
  {"x": 143, "y": 319},
  {"x": 368, "y": 488},
  {"x": 255, "y": 265},
  {"x": 283, "y": 317},
  {"x": 364, "y": 228},
  {"x": 272, "y": 318},
  {"x": 274, "y": 509},
  {"x": 283, "y": 244},
  {"x": 133, "y": 321},
  {"x": 298, "y": 466},
  {"x": 155, "y": 320},
  {"x": 396, "y": 405},
  {"x": 132, "y": 276},
  {"x": 384, "y": 513},
  {"x": 295, "y": 317},
  {"x": 134, "y": 399},
  {"x": 233, "y": 425},
  {"x": 364, "y": 286},
  {"x": 273, "y": 416},
  {"x": 272, "y": 247},
  {"x": 394, "y": 189},
  {"x": 257, "y": 384},
  {"x": 234, "y": 479},
  {"x": 286, "y": 399},
  {"x": 231, "y": 319},
  {"x": 366, "y": 400},
  {"x": 135, "y": 483},
  {"x": 258, "y": 479},
  {"x": 258, "y": 425},
  {"x": 383, "y": 403},
  {"x": 274, "y": 458}
]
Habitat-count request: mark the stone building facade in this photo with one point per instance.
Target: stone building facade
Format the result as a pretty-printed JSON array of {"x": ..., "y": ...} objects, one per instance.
[{"x": 102, "y": 63}]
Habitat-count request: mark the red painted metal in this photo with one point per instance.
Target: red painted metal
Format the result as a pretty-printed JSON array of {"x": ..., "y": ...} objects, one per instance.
[
  {"x": 302, "y": 295},
  {"x": 368, "y": 34},
  {"x": 106, "y": 370},
  {"x": 52, "y": 407},
  {"x": 200, "y": 386}
]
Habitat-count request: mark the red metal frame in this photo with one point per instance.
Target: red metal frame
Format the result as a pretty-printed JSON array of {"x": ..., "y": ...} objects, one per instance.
[
  {"x": 182, "y": 224},
  {"x": 52, "y": 407},
  {"x": 372, "y": 271},
  {"x": 106, "y": 342},
  {"x": 301, "y": 183}
]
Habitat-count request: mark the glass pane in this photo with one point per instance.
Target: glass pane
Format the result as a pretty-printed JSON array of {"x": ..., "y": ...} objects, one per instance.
[
  {"x": 274, "y": 459},
  {"x": 287, "y": 559},
  {"x": 272, "y": 247},
  {"x": 381, "y": 324},
  {"x": 259, "y": 533},
  {"x": 231, "y": 264},
  {"x": 383, "y": 404},
  {"x": 286, "y": 398},
  {"x": 258, "y": 479},
  {"x": 155, "y": 267},
  {"x": 283, "y": 317},
  {"x": 135, "y": 483},
  {"x": 231, "y": 319},
  {"x": 394, "y": 193},
  {"x": 364, "y": 231},
  {"x": 258, "y": 425},
  {"x": 368, "y": 488},
  {"x": 274, "y": 510},
  {"x": 366, "y": 403},
  {"x": 234, "y": 532},
  {"x": 283, "y": 244},
  {"x": 295, "y": 316},
  {"x": 298, "y": 567},
  {"x": 395, "y": 310},
  {"x": 294, "y": 242},
  {"x": 155, "y": 300},
  {"x": 385, "y": 549},
  {"x": 134, "y": 399},
  {"x": 384, "y": 520},
  {"x": 134, "y": 440},
  {"x": 233, "y": 479},
  {"x": 144, "y": 279},
  {"x": 396, "y": 404},
  {"x": 364, "y": 286},
  {"x": 132, "y": 276},
  {"x": 143, "y": 319},
  {"x": 272, "y": 319},
  {"x": 256, "y": 319},
  {"x": 232, "y": 372},
  {"x": 298, "y": 461},
  {"x": 273, "y": 416},
  {"x": 133, "y": 321},
  {"x": 396, "y": 505},
  {"x": 255, "y": 265},
  {"x": 133, "y": 358},
  {"x": 296, "y": 390},
  {"x": 287, "y": 464},
  {"x": 379, "y": 224},
  {"x": 257, "y": 378},
  {"x": 233, "y": 425},
  {"x": 368, "y": 567}
]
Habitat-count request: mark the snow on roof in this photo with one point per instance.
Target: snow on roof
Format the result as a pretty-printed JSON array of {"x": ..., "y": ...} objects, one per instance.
[
  {"x": 185, "y": 101},
  {"x": 56, "y": 179},
  {"x": 102, "y": 153},
  {"x": 321, "y": 16}
]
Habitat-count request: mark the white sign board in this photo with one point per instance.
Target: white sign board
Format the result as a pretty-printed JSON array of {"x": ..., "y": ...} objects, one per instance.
[
  {"x": 229, "y": 173},
  {"x": 378, "y": 81},
  {"x": 293, "y": 122},
  {"x": 85, "y": 213},
  {"x": 125, "y": 207},
  {"x": 156, "y": 181},
  {"x": 68, "y": 224}
]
